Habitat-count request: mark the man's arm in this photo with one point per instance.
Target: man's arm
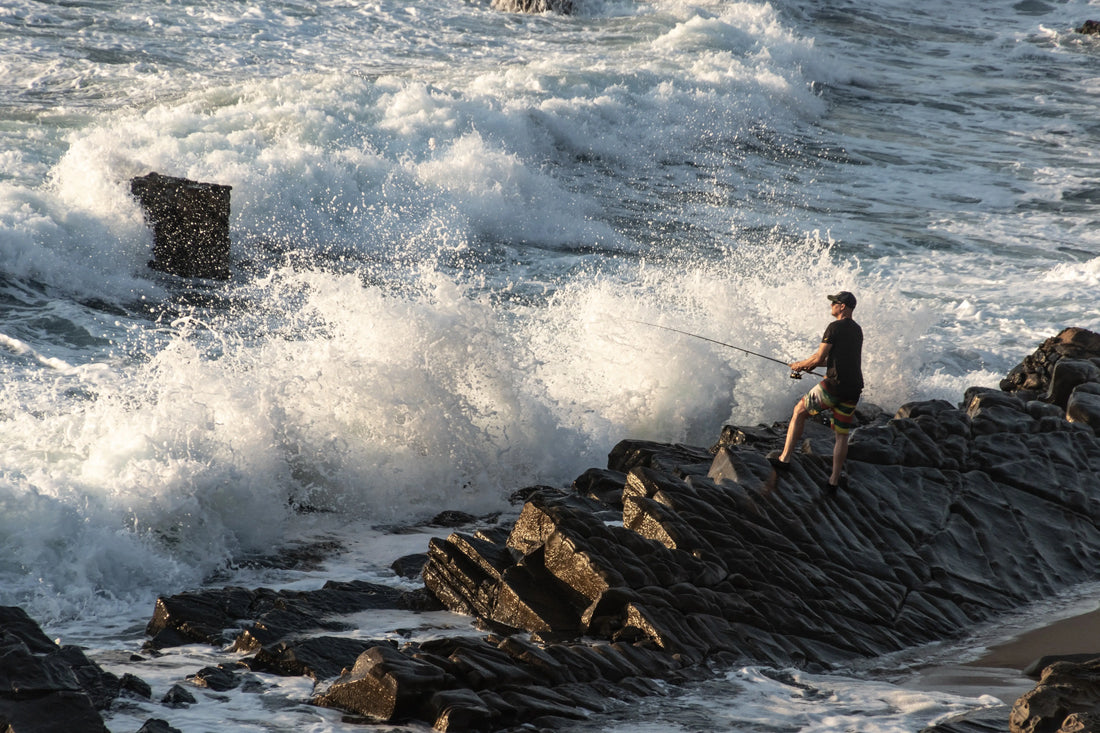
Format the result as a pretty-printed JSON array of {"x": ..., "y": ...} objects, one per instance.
[{"x": 819, "y": 358}]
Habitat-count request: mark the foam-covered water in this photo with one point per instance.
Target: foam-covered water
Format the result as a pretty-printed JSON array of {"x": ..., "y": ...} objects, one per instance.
[{"x": 450, "y": 228}]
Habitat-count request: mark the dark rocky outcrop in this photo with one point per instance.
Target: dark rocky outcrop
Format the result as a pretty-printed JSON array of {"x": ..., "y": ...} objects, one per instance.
[
  {"x": 1034, "y": 377},
  {"x": 177, "y": 697},
  {"x": 1089, "y": 27},
  {"x": 264, "y": 617},
  {"x": 410, "y": 566},
  {"x": 562, "y": 7},
  {"x": 190, "y": 223},
  {"x": 1064, "y": 372},
  {"x": 156, "y": 725},
  {"x": 1083, "y": 406},
  {"x": 45, "y": 687},
  {"x": 1066, "y": 700},
  {"x": 674, "y": 560}
]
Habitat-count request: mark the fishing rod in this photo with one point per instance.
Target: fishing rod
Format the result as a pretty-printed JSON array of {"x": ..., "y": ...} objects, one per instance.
[{"x": 794, "y": 374}]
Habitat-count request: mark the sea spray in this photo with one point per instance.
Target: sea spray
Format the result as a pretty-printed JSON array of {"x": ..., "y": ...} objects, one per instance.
[
  {"x": 769, "y": 298},
  {"x": 321, "y": 390}
]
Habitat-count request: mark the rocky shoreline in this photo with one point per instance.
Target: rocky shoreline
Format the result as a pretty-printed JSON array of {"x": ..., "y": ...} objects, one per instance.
[{"x": 675, "y": 561}]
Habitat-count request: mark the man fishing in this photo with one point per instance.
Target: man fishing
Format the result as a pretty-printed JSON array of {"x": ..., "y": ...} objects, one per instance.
[{"x": 841, "y": 352}]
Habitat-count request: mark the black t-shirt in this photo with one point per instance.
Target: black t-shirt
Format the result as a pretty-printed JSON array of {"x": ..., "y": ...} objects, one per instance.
[{"x": 843, "y": 374}]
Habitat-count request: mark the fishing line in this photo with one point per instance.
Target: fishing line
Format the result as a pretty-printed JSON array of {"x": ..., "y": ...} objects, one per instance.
[{"x": 794, "y": 374}]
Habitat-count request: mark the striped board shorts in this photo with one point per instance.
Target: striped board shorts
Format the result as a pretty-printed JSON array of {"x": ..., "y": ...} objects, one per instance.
[{"x": 843, "y": 413}]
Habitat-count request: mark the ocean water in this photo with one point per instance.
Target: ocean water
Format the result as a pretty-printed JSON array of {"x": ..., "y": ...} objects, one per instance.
[{"x": 450, "y": 228}]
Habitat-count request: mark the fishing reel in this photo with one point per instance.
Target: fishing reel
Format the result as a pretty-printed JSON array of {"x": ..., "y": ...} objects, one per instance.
[{"x": 795, "y": 374}]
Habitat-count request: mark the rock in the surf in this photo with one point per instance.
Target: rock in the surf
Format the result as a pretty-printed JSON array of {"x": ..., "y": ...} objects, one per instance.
[
  {"x": 156, "y": 725},
  {"x": 48, "y": 688},
  {"x": 266, "y": 616},
  {"x": 562, "y": 7},
  {"x": 190, "y": 223}
]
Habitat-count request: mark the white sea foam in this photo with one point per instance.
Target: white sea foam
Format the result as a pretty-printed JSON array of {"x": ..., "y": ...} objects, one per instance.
[{"x": 756, "y": 698}]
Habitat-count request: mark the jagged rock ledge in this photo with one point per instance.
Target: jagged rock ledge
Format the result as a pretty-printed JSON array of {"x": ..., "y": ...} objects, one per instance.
[
  {"x": 48, "y": 688},
  {"x": 1066, "y": 699},
  {"x": 675, "y": 561}
]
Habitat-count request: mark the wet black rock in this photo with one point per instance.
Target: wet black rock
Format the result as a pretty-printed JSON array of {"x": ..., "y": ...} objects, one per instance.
[
  {"x": 1035, "y": 375},
  {"x": 156, "y": 725},
  {"x": 385, "y": 685},
  {"x": 410, "y": 566},
  {"x": 1083, "y": 406},
  {"x": 562, "y": 7},
  {"x": 263, "y": 616},
  {"x": 1066, "y": 700},
  {"x": 190, "y": 223},
  {"x": 1036, "y": 668},
  {"x": 451, "y": 518},
  {"x": 495, "y": 682},
  {"x": 45, "y": 687},
  {"x": 218, "y": 679},
  {"x": 134, "y": 686},
  {"x": 318, "y": 657},
  {"x": 178, "y": 697}
]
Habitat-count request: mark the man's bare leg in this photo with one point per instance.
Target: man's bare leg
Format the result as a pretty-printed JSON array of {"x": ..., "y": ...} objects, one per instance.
[
  {"x": 840, "y": 454},
  {"x": 794, "y": 431}
]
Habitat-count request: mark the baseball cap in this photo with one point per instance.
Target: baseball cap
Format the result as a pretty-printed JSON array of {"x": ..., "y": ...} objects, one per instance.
[{"x": 845, "y": 298}]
